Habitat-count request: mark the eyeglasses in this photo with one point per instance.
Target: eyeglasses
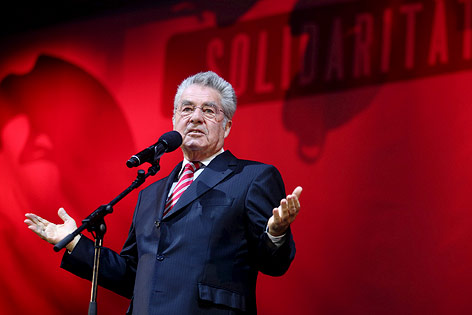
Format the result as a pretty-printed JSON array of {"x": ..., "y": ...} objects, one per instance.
[{"x": 209, "y": 111}]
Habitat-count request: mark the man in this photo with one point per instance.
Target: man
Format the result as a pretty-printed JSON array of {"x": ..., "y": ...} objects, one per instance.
[{"x": 200, "y": 236}]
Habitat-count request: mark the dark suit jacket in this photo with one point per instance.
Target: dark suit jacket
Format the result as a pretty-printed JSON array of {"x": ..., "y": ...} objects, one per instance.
[{"x": 204, "y": 257}]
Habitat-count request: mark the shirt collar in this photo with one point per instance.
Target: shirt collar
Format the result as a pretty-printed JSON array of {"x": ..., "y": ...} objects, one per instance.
[{"x": 204, "y": 162}]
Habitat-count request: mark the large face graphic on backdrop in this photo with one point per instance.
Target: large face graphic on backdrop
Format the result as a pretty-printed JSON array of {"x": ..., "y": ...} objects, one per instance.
[
  {"x": 62, "y": 139},
  {"x": 58, "y": 126}
]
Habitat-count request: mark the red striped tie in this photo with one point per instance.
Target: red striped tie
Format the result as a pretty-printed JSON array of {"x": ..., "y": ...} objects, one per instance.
[{"x": 185, "y": 180}]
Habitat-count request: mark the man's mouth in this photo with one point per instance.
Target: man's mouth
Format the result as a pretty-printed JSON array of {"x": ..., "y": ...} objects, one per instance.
[{"x": 195, "y": 132}]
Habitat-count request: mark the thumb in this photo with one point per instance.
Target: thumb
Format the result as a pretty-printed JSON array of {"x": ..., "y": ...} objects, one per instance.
[{"x": 63, "y": 215}]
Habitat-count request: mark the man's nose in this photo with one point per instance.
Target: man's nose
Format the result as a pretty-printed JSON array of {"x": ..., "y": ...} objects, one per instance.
[{"x": 197, "y": 115}]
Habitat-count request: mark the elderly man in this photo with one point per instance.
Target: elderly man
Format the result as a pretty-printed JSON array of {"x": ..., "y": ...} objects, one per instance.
[{"x": 200, "y": 236}]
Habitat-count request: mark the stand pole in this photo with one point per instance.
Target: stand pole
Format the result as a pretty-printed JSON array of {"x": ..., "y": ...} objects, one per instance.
[{"x": 98, "y": 235}]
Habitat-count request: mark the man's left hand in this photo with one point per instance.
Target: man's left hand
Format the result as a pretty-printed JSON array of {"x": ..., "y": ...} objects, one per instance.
[{"x": 285, "y": 214}]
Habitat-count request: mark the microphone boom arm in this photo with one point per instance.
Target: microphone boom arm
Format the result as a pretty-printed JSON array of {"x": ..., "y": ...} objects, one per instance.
[{"x": 103, "y": 210}]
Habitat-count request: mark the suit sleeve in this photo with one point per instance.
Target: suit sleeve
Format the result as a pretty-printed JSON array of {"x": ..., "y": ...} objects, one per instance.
[
  {"x": 117, "y": 272},
  {"x": 264, "y": 194}
]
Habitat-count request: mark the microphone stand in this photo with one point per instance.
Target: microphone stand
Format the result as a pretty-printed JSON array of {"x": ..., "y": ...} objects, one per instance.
[{"x": 95, "y": 224}]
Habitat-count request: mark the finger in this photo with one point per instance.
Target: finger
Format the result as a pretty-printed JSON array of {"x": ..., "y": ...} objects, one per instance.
[
  {"x": 297, "y": 191},
  {"x": 43, "y": 222},
  {"x": 63, "y": 214},
  {"x": 32, "y": 217},
  {"x": 37, "y": 225},
  {"x": 275, "y": 213},
  {"x": 28, "y": 222},
  {"x": 284, "y": 208},
  {"x": 29, "y": 218},
  {"x": 292, "y": 206},
  {"x": 296, "y": 203},
  {"x": 35, "y": 219},
  {"x": 37, "y": 230}
]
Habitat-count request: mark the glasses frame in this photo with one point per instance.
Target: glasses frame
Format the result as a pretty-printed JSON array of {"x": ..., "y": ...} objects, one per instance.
[{"x": 194, "y": 107}]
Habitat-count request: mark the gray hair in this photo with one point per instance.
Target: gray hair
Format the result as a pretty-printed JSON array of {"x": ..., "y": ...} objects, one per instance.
[{"x": 211, "y": 79}]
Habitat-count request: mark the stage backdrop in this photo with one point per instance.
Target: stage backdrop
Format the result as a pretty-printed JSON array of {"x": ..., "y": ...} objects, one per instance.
[{"x": 366, "y": 104}]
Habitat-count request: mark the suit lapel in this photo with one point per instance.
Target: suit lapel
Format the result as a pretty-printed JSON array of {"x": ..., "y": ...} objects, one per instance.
[{"x": 218, "y": 169}]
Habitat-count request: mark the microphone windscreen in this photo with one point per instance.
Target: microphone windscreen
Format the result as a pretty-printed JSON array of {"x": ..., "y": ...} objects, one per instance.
[{"x": 173, "y": 140}]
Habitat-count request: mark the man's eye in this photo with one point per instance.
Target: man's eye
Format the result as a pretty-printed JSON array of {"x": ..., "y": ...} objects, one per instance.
[
  {"x": 209, "y": 110},
  {"x": 187, "y": 109}
]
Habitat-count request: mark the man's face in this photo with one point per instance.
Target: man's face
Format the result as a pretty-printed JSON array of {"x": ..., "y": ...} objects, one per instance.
[{"x": 202, "y": 137}]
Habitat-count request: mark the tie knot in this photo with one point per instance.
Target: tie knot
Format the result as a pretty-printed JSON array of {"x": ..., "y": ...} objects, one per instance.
[
  {"x": 192, "y": 166},
  {"x": 186, "y": 178}
]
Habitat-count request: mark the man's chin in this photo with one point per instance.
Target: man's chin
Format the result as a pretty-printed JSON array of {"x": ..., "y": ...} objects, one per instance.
[{"x": 194, "y": 145}]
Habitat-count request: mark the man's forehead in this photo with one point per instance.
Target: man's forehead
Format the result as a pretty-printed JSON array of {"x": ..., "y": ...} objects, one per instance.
[{"x": 201, "y": 94}]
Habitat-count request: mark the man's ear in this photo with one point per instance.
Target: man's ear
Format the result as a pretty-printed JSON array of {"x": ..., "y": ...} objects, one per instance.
[{"x": 228, "y": 127}]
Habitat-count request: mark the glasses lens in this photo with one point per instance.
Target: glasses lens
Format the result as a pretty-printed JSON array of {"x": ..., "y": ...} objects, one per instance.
[
  {"x": 186, "y": 110},
  {"x": 208, "y": 111}
]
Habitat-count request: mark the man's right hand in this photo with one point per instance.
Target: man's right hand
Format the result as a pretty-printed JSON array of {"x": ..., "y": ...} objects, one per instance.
[{"x": 50, "y": 232}]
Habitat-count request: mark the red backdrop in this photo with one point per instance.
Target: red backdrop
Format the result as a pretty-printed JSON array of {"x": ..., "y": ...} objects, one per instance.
[{"x": 366, "y": 104}]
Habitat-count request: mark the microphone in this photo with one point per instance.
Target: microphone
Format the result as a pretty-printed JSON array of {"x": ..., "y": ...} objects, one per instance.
[{"x": 168, "y": 142}]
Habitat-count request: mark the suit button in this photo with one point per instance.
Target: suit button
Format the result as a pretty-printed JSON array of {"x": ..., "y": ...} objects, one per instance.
[
  {"x": 160, "y": 257},
  {"x": 157, "y": 223}
]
